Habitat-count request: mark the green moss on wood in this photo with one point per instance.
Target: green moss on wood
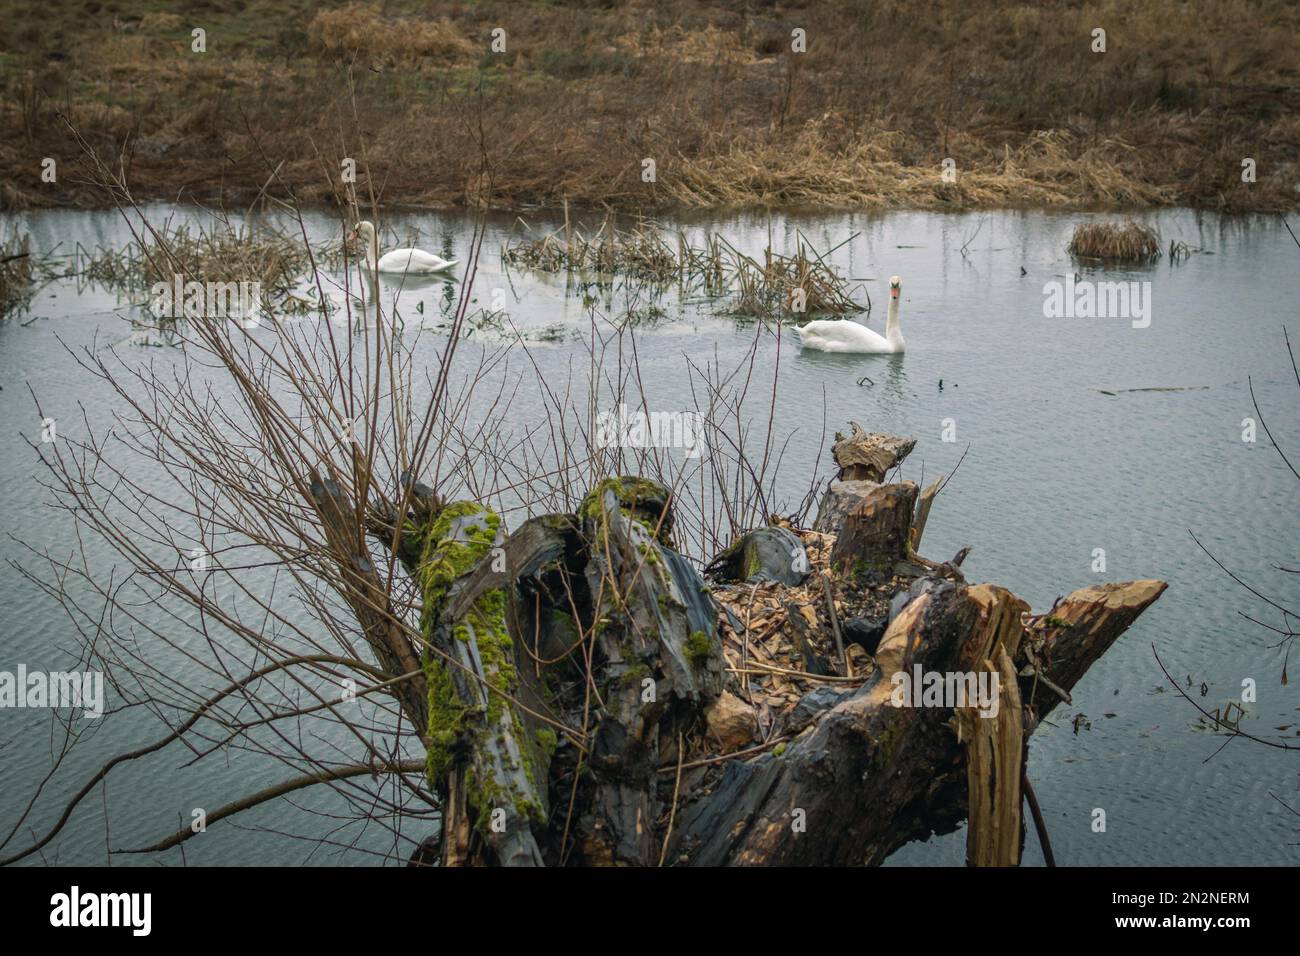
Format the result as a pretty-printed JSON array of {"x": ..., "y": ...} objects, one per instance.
[
  {"x": 632, "y": 494},
  {"x": 454, "y": 726},
  {"x": 699, "y": 648}
]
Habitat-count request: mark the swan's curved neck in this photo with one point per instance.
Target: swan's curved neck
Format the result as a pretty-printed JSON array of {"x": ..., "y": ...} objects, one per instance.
[{"x": 892, "y": 331}]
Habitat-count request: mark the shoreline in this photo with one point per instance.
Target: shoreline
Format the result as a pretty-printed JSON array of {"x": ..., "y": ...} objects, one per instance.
[{"x": 235, "y": 201}]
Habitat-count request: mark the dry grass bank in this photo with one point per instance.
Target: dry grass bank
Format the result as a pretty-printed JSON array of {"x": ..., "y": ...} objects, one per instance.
[{"x": 711, "y": 91}]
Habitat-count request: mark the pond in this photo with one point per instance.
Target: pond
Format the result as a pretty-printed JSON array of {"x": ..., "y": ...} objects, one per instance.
[{"x": 1081, "y": 435}]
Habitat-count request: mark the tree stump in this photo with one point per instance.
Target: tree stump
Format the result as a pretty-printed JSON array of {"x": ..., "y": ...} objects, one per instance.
[
  {"x": 868, "y": 456},
  {"x": 875, "y": 534},
  {"x": 574, "y": 668}
]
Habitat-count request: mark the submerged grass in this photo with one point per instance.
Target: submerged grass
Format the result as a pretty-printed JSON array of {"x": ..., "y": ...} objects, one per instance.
[
  {"x": 219, "y": 253},
  {"x": 1116, "y": 242},
  {"x": 17, "y": 274},
  {"x": 775, "y": 285},
  {"x": 640, "y": 252}
]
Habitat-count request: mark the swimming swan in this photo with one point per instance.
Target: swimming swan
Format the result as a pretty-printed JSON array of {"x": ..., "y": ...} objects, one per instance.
[
  {"x": 845, "y": 335},
  {"x": 413, "y": 261}
]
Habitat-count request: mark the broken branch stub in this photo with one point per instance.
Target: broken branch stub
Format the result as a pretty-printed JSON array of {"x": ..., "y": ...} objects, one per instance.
[
  {"x": 866, "y": 776},
  {"x": 1082, "y": 626},
  {"x": 863, "y": 459},
  {"x": 995, "y": 754},
  {"x": 923, "y": 512}
]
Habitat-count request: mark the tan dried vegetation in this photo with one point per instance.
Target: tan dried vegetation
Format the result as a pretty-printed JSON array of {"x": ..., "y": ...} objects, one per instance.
[{"x": 1013, "y": 94}]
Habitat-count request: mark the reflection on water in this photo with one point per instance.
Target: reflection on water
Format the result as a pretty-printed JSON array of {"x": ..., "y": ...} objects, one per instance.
[{"x": 1063, "y": 458}]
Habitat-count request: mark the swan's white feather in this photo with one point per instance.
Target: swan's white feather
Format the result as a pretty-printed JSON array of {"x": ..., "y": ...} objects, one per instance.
[
  {"x": 413, "y": 261},
  {"x": 405, "y": 261},
  {"x": 845, "y": 335}
]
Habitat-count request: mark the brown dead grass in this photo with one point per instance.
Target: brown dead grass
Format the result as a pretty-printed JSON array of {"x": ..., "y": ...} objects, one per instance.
[
  {"x": 1115, "y": 242},
  {"x": 586, "y": 92},
  {"x": 764, "y": 286},
  {"x": 17, "y": 274},
  {"x": 362, "y": 30}
]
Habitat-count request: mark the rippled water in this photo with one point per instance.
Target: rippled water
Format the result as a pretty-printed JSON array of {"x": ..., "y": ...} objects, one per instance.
[{"x": 1056, "y": 468}]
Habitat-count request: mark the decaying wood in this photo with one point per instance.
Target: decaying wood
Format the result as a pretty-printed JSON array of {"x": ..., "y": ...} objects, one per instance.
[
  {"x": 840, "y": 498},
  {"x": 994, "y": 768},
  {"x": 764, "y": 554},
  {"x": 500, "y": 758},
  {"x": 866, "y": 776},
  {"x": 875, "y": 532},
  {"x": 1078, "y": 630},
  {"x": 495, "y": 788},
  {"x": 655, "y": 627},
  {"x": 923, "y": 504},
  {"x": 614, "y": 640},
  {"x": 868, "y": 456}
]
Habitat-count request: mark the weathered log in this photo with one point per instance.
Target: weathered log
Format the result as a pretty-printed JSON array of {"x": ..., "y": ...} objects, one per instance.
[
  {"x": 656, "y": 629},
  {"x": 764, "y": 554},
  {"x": 866, "y": 776}
]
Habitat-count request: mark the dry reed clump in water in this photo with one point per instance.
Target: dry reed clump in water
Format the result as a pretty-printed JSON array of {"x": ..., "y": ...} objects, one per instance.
[
  {"x": 357, "y": 29},
  {"x": 222, "y": 253},
  {"x": 799, "y": 284},
  {"x": 1115, "y": 242},
  {"x": 640, "y": 252},
  {"x": 17, "y": 274}
]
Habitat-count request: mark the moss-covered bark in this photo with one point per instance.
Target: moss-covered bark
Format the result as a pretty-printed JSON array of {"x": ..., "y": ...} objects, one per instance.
[
  {"x": 476, "y": 736},
  {"x": 661, "y": 662}
]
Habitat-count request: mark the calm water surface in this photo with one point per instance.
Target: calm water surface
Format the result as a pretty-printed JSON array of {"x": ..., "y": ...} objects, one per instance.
[{"x": 1056, "y": 468}]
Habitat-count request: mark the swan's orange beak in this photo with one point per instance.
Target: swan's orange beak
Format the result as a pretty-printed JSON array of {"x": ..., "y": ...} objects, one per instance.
[{"x": 893, "y": 292}]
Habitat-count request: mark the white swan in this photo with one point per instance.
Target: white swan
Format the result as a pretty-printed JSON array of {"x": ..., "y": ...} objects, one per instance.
[
  {"x": 413, "y": 261},
  {"x": 845, "y": 335}
]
